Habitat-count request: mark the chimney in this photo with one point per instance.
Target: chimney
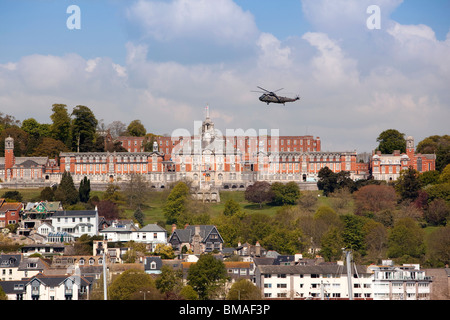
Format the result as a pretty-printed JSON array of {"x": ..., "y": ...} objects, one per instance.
[
  {"x": 197, "y": 230},
  {"x": 174, "y": 227}
]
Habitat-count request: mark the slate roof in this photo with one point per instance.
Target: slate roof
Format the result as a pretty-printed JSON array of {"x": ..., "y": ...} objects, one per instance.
[
  {"x": 149, "y": 260},
  {"x": 13, "y": 286},
  {"x": 185, "y": 235},
  {"x": 152, "y": 228},
  {"x": 10, "y": 260}
]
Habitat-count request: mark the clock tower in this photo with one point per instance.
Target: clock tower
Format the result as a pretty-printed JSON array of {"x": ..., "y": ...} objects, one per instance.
[{"x": 9, "y": 157}]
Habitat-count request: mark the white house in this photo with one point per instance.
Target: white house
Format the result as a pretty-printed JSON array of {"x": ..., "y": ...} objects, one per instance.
[
  {"x": 151, "y": 234},
  {"x": 42, "y": 287},
  {"x": 312, "y": 282},
  {"x": 405, "y": 282},
  {"x": 76, "y": 222}
]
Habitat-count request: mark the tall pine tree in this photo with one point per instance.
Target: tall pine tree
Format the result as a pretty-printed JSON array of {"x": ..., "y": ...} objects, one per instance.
[
  {"x": 66, "y": 191},
  {"x": 84, "y": 190}
]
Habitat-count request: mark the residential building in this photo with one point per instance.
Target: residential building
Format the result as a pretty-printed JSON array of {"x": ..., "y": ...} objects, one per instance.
[
  {"x": 198, "y": 239},
  {"x": 46, "y": 250},
  {"x": 76, "y": 222},
  {"x": 406, "y": 282},
  {"x": 153, "y": 265},
  {"x": 66, "y": 287},
  {"x": 9, "y": 213},
  {"x": 151, "y": 234},
  {"x": 328, "y": 281}
]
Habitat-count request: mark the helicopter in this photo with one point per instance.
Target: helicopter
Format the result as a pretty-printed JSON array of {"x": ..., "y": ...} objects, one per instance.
[{"x": 271, "y": 97}]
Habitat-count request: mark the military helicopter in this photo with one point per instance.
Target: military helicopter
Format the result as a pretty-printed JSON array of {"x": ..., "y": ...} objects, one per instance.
[{"x": 271, "y": 97}]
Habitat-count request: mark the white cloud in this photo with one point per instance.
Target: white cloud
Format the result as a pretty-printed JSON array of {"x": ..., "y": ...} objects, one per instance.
[{"x": 219, "y": 21}]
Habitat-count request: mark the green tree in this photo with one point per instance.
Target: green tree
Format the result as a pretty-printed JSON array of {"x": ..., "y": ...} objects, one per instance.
[
  {"x": 136, "y": 129},
  {"x": 231, "y": 207},
  {"x": 406, "y": 239},
  {"x": 408, "y": 184},
  {"x": 327, "y": 181},
  {"x": 353, "y": 233},
  {"x": 244, "y": 290},
  {"x": 12, "y": 196},
  {"x": 391, "y": 140},
  {"x": 170, "y": 280},
  {"x": 49, "y": 147},
  {"x": 332, "y": 244},
  {"x": 438, "y": 145},
  {"x": 47, "y": 194},
  {"x": 66, "y": 191},
  {"x": 83, "y": 128},
  {"x": 439, "y": 247},
  {"x": 138, "y": 215},
  {"x": 128, "y": 283},
  {"x": 285, "y": 194},
  {"x": 84, "y": 190},
  {"x": 207, "y": 276},
  {"x": 445, "y": 175},
  {"x": 61, "y": 123},
  {"x": 35, "y": 131},
  {"x": 176, "y": 202}
]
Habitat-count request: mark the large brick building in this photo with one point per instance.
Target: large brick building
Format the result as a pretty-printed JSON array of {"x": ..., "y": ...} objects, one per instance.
[
  {"x": 209, "y": 159},
  {"x": 388, "y": 166}
]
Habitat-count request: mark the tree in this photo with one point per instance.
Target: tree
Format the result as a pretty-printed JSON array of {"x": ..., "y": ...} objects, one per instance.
[
  {"x": 129, "y": 283},
  {"x": 332, "y": 244},
  {"x": 12, "y": 196},
  {"x": 49, "y": 147},
  {"x": 136, "y": 129},
  {"x": 138, "y": 215},
  {"x": 375, "y": 239},
  {"x": 84, "y": 126},
  {"x": 170, "y": 280},
  {"x": 60, "y": 127},
  {"x": 136, "y": 190},
  {"x": 406, "y": 239},
  {"x": 353, "y": 232},
  {"x": 84, "y": 190},
  {"x": 117, "y": 129},
  {"x": 66, "y": 191},
  {"x": 259, "y": 192},
  {"x": 374, "y": 198},
  {"x": 231, "y": 207},
  {"x": 176, "y": 202},
  {"x": 35, "y": 131},
  {"x": 108, "y": 209},
  {"x": 47, "y": 194},
  {"x": 437, "y": 212},
  {"x": 391, "y": 140},
  {"x": 445, "y": 175},
  {"x": 285, "y": 194},
  {"x": 207, "y": 276},
  {"x": 438, "y": 145},
  {"x": 327, "y": 181},
  {"x": 408, "y": 184},
  {"x": 244, "y": 290},
  {"x": 439, "y": 246}
]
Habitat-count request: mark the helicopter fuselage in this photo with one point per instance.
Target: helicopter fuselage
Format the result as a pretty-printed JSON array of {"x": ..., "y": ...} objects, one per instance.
[{"x": 270, "y": 98}]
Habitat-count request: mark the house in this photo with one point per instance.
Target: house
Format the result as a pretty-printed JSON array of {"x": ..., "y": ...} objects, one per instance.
[
  {"x": 151, "y": 234},
  {"x": 9, "y": 266},
  {"x": 153, "y": 265},
  {"x": 76, "y": 222},
  {"x": 325, "y": 281},
  {"x": 43, "y": 249},
  {"x": 198, "y": 239},
  {"x": 406, "y": 282},
  {"x": 119, "y": 231},
  {"x": 16, "y": 266},
  {"x": 14, "y": 289},
  {"x": 65, "y": 287},
  {"x": 9, "y": 213}
]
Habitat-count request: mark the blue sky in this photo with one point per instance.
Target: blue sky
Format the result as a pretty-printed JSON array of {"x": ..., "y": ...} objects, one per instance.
[{"x": 158, "y": 60}]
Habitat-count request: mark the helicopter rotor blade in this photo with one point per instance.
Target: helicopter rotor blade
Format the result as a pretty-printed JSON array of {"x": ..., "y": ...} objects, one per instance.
[{"x": 264, "y": 89}]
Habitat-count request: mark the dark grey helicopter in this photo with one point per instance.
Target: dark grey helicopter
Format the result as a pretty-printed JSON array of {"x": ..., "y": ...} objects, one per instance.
[{"x": 271, "y": 97}]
